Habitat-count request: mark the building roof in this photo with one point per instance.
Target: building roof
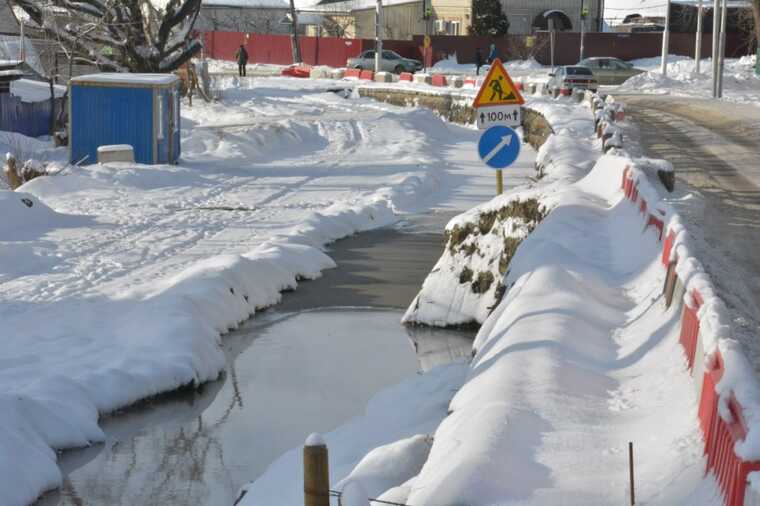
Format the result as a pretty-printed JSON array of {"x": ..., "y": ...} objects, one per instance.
[
  {"x": 617, "y": 10},
  {"x": 258, "y": 4},
  {"x": 8, "y": 23}
]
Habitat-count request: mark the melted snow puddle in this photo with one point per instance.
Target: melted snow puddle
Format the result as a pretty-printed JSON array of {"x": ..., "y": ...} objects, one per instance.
[{"x": 288, "y": 374}]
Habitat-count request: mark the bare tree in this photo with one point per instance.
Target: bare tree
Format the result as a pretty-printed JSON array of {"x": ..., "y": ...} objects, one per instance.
[{"x": 124, "y": 35}]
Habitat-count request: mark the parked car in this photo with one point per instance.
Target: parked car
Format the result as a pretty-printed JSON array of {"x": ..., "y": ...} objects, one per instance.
[
  {"x": 570, "y": 78},
  {"x": 610, "y": 70},
  {"x": 390, "y": 62}
]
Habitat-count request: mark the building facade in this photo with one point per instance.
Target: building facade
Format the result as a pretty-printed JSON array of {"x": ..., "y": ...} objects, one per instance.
[{"x": 454, "y": 17}]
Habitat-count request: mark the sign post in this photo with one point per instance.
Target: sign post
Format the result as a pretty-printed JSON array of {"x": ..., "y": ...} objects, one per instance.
[
  {"x": 497, "y": 107},
  {"x": 499, "y": 147}
]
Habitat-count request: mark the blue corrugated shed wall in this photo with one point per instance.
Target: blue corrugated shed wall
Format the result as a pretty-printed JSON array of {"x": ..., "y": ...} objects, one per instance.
[
  {"x": 28, "y": 118},
  {"x": 111, "y": 115}
]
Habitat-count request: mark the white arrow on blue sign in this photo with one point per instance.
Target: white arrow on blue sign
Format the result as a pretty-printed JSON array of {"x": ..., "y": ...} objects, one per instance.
[{"x": 499, "y": 147}]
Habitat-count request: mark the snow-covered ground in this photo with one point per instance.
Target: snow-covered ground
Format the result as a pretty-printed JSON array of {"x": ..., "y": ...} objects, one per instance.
[
  {"x": 117, "y": 280},
  {"x": 740, "y": 84}
]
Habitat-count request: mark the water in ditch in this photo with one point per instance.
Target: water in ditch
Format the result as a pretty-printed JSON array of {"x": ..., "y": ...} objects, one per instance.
[{"x": 308, "y": 364}]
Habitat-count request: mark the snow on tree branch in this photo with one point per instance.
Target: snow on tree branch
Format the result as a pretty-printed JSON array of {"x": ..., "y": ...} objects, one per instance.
[{"x": 120, "y": 34}]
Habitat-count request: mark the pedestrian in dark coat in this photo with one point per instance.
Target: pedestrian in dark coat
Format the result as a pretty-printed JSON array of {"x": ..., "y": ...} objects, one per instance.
[
  {"x": 478, "y": 61},
  {"x": 242, "y": 59}
]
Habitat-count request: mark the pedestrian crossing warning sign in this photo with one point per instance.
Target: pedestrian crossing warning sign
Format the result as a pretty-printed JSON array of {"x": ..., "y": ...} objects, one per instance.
[{"x": 498, "y": 88}]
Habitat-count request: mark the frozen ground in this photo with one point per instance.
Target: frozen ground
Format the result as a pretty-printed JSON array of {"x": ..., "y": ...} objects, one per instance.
[
  {"x": 112, "y": 284},
  {"x": 740, "y": 83}
]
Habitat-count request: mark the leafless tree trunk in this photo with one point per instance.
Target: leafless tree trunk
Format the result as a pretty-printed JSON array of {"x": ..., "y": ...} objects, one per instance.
[{"x": 294, "y": 33}]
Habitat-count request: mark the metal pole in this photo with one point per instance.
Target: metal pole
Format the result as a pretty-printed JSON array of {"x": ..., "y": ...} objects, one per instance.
[
  {"x": 499, "y": 182},
  {"x": 716, "y": 29},
  {"x": 698, "y": 42},
  {"x": 583, "y": 29},
  {"x": 551, "y": 40},
  {"x": 378, "y": 35},
  {"x": 630, "y": 471},
  {"x": 21, "y": 49},
  {"x": 666, "y": 42},
  {"x": 722, "y": 49}
]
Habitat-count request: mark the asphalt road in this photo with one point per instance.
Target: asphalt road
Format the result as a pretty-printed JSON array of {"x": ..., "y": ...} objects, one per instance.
[{"x": 715, "y": 149}]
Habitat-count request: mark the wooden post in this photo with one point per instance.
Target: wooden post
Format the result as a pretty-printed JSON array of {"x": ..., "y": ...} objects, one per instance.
[
  {"x": 499, "y": 182},
  {"x": 316, "y": 477},
  {"x": 11, "y": 173},
  {"x": 630, "y": 469}
]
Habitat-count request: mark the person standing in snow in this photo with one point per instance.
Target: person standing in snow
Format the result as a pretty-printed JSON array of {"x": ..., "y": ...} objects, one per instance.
[
  {"x": 242, "y": 59},
  {"x": 478, "y": 61},
  {"x": 492, "y": 53}
]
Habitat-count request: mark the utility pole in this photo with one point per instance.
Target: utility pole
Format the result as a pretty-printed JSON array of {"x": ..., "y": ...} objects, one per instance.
[
  {"x": 698, "y": 42},
  {"x": 722, "y": 48},
  {"x": 551, "y": 40},
  {"x": 294, "y": 34},
  {"x": 584, "y": 12},
  {"x": 716, "y": 29},
  {"x": 666, "y": 42},
  {"x": 378, "y": 35}
]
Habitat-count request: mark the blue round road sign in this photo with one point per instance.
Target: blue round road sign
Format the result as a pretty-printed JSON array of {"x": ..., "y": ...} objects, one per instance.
[{"x": 499, "y": 147}]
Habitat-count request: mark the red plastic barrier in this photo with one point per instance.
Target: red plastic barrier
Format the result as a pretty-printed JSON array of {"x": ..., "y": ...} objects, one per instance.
[
  {"x": 406, "y": 76},
  {"x": 519, "y": 85},
  {"x": 367, "y": 75},
  {"x": 690, "y": 328},
  {"x": 721, "y": 436},
  {"x": 565, "y": 92},
  {"x": 643, "y": 208},
  {"x": 471, "y": 81},
  {"x": 619, "y": 115},
  {"x": 301, "y": 72},
  {"x": 654, "y": 221},
  {"x": 352, "y": 73},
  {"x": 634, "y": 192},
  {"x": 625, "y": 177},
  {"x": 438, "y": 80},
  {"x": 668, "y": 247}
]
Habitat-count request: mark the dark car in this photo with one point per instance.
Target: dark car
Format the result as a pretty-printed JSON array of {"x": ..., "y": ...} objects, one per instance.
[
  {"x": 570, "y": 78},
  {"x": 390, "y": 62},
  {"x": 610, "y": 70}
]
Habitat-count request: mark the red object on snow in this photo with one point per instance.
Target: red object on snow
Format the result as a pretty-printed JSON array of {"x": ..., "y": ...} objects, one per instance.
[
  {"x": 438, "y": 80},
  {"x": 405, "y": 76},
  {"x": 565, "y": 92},
  {"x": 352, "y": 73},
  {"x": 367, "y": 75},
  {"x": 298, "y": 71}
]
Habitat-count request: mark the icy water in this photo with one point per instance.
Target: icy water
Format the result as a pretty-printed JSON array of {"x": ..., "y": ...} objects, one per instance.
[{"x": 309, "y": 364}]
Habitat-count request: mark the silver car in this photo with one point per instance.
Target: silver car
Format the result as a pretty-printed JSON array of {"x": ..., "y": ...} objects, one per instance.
[
  {"x": 610, "y": 70},
  {"x": 566, "y": 79},
  {"x": 390, "y": 62}
]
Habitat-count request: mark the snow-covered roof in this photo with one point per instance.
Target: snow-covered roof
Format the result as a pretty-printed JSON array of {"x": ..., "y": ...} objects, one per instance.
[
  {"x": 352, "y": 5},
  {"x": 35, "y": 91},
  {"x": 258, "y": 4},
  {"x": 619, "y": 9},
  {"x": 124, "y": 78}
]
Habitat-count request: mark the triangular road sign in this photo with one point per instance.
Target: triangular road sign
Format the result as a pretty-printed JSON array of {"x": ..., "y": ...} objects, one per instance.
[{"x": 498, "y": 88}]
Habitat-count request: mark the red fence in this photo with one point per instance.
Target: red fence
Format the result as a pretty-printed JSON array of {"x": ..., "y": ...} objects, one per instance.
[
  {"x": 331, "y": 51},
  {"x": 720, "y": 435}
]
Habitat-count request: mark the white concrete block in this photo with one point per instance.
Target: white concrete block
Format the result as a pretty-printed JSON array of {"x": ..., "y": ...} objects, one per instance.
[
  {"x": 116, "y": 153},
  {"x": 422, "y": 78},
  {"x": 384, "y": 77}
]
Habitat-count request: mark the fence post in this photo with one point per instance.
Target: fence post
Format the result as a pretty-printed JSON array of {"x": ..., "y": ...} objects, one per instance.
[{"x": 316, "y": 477}]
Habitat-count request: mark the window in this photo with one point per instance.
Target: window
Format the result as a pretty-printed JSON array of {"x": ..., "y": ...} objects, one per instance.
[
  {"x": 578, "y": 71},
  {"x": 390, "y": 55},
  {"x": 454, "y": 28},
  {"x": 368, "y": 54}
]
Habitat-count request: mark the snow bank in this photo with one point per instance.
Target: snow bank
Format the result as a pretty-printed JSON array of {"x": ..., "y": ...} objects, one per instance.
[
  {"x": 114, "y": 288},
  {"x": 740, "y": 83}
]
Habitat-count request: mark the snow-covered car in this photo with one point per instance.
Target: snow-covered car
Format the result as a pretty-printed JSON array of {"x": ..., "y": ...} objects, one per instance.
[
  {"x": 569, "y": 78},
  {"x": 610, "y": 70},
  {"x": 390, "y": 62}
]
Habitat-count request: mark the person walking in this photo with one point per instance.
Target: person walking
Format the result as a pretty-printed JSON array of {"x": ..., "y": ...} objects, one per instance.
[
  {"x": 242, "y": 59},
  {"x": 492, "y": 53},
  {"x": 478, "y": 61}
]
